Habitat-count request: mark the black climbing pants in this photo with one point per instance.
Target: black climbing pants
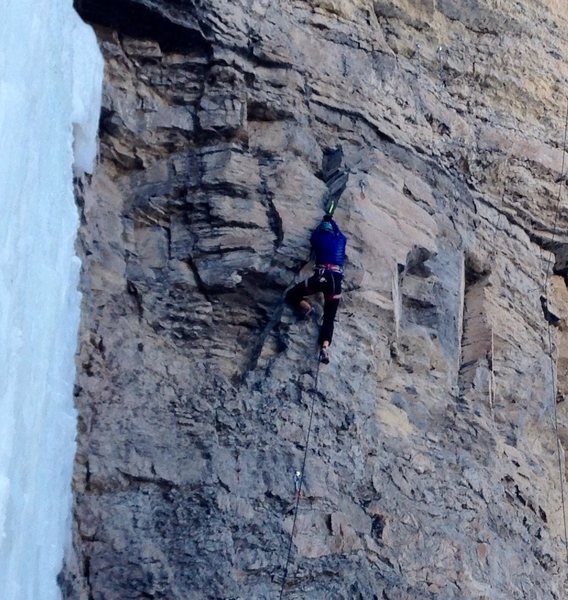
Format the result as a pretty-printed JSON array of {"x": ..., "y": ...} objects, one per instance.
[{"x": 327, "y": 282}]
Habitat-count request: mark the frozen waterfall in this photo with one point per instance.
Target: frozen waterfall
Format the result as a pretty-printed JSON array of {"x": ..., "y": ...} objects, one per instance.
[{"x": 50, "y": 90}]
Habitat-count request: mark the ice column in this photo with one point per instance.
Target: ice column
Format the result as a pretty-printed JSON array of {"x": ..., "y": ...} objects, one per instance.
[{"x": 50, "y": 92}]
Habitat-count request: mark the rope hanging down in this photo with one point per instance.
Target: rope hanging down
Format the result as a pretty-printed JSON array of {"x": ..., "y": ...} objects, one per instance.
[
  {"x": 554, "y": 393},
  {"x": 301, "y": 481},
  {"x": 552, "y": 373}
]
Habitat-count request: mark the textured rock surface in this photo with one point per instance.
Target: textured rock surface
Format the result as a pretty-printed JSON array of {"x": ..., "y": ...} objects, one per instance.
[{"x": 432, "y": 470}]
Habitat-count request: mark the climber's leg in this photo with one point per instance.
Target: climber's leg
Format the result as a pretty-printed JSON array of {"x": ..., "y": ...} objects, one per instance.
[
  {"x": 332, "y": 298},
  {"x": 329, "y": 311},
  {"x": 296, "y": 296}
]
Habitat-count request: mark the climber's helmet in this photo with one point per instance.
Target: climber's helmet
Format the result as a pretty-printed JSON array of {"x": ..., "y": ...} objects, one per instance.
[{"x": 325, "y": 224}]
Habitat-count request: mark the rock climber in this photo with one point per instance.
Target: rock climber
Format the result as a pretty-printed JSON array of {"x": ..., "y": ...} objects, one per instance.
[{"x": 328, "y": 245}]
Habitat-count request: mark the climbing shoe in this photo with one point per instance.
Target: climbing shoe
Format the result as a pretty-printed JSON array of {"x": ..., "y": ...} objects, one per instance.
[
  {"x": 324, "y": 356},
  {"x": 306, "y": 314}
]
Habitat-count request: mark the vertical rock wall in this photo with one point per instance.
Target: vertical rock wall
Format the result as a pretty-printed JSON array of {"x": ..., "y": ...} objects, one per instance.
[{"x": 432, "y": 470}]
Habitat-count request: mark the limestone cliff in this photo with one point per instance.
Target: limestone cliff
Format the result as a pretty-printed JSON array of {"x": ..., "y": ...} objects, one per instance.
[{"x": 434, "y": 467}]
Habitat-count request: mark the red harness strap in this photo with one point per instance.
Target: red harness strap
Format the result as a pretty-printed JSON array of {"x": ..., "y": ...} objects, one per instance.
[{"x": 329, "y": 267}]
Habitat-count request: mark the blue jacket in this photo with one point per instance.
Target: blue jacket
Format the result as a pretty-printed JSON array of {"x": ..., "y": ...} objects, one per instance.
[{"x": 329, "y": 246}]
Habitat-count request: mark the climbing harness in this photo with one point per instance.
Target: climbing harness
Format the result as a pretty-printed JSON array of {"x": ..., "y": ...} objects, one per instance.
[{"x": 299, "y": 480}]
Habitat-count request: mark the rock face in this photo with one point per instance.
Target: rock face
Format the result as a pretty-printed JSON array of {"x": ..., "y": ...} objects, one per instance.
[{"x": 436, "y": 451}]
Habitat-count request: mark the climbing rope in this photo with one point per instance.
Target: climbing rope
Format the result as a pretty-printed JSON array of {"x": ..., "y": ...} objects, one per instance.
[
  {"x": 558, "y": 444},
  {"x": 554, "y": 394},
  {"x": 549, "y": 334},
  {"x": 301, "y": 480},
  {"x": 552, "y": 373}
]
